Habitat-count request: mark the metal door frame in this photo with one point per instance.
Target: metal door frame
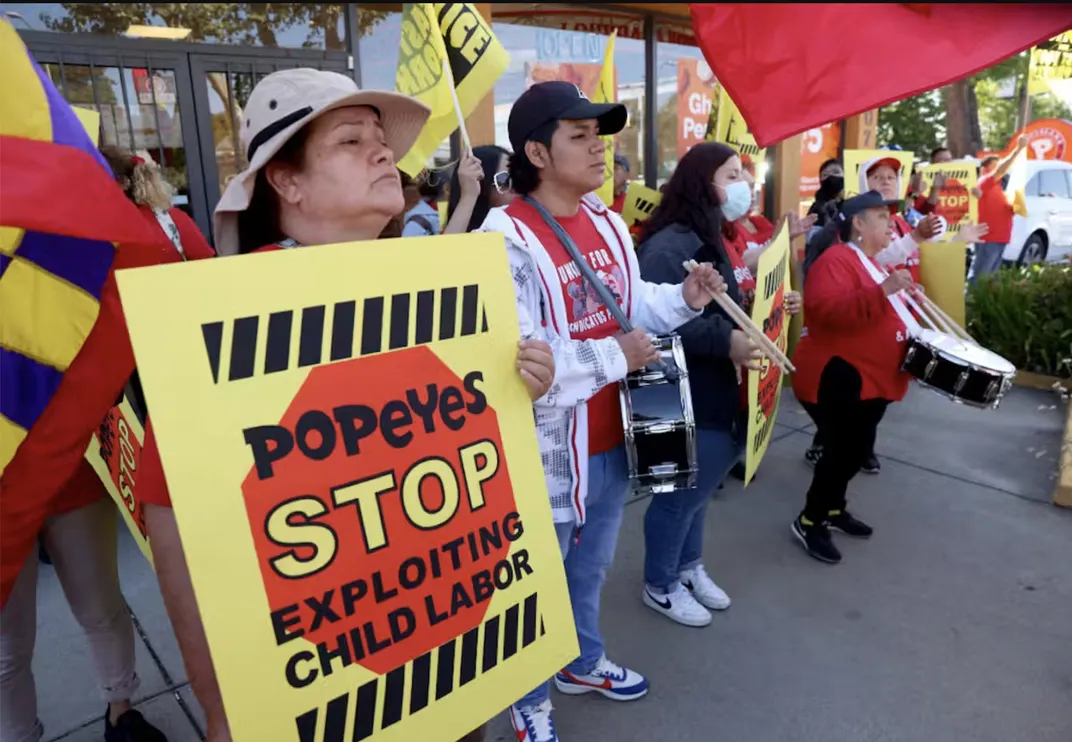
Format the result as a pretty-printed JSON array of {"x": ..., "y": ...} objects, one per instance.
[
  {"x": 203, "y": 62},
  {"x": 189, "y": 63}
]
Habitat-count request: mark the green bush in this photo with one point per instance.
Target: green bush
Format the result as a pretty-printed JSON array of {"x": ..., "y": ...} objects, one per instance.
[{"x": 1025, "y": 315}]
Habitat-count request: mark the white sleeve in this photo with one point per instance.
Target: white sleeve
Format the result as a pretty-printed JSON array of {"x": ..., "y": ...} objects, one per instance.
[
  {"x": 899, "y": 251},
  {"x": 582, "y": 367}
]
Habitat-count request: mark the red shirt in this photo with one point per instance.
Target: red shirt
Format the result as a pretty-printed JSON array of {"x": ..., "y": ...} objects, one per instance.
[
  {"x": 763, "y": 234},
  {"x": 848, "y": 315},
  {"x": 995, "y": 211},
  {"x": 736, "y": 241},
  {"x": 588, "y": 317},
  {"x": 152, "y": 486},
  {"x": 619, "y": 203}
]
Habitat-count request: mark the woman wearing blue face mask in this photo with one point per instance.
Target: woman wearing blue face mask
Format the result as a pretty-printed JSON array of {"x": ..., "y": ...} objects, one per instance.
[{"x": 706, "y": 193}]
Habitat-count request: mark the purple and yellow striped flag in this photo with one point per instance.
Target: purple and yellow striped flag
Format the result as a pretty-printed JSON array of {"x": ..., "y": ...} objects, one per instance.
[{"x": 62, "y": 217}]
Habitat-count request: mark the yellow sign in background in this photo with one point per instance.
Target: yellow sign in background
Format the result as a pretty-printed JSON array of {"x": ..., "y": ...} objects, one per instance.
[
  {"x": 730, "y": 127},
  {"x": 853, "y": 160},
  {"x": 640, "y": 202},
  {"x": 942, "y": 268},
  {"x": 357, "y": 483},
  {"x": 768, "y": 313},
  {"x": 956, "y": 205}
]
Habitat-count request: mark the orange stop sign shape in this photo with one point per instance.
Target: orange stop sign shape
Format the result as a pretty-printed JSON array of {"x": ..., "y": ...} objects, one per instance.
[
  {"x": 953, "y": 202},
  {"x": 382, "y": 512}
]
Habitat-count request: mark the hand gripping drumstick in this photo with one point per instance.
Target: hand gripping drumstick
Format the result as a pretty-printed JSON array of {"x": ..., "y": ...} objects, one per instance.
[{"x": 748, "y": 327}]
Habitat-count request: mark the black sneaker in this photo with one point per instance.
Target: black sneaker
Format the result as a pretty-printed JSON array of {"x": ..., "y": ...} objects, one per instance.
[
  {"x": 738, "y": 471},
  {"x": 131, "y": 727},
  {"x": 871, "y": 465},
  {"x": 815, "y": 538},
  {"x": 812, "y": 455},
  {"x": 844, "y": 521}
]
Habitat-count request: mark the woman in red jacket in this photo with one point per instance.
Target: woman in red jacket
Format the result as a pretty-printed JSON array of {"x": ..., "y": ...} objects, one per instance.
[{"x": 849, "y": 364}]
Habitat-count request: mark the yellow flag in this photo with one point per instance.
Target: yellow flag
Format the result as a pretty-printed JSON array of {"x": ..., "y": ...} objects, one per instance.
[
  {"x": 607, "y": 92},
  {"x": 1018, "y": 176},
  {"x": 1051, "y": 61},
  {"x": 444, "y": 45}
]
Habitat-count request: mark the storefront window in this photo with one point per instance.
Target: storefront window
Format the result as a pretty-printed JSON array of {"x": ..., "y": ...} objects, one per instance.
[
  {"x": 550, "y": 42},
  {"x": 685, "y": 90},
  {"x": 288, "y": 25}
]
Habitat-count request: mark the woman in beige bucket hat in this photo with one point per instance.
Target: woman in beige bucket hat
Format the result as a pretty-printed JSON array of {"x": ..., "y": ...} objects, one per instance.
[{"x": 321, "y": 156}]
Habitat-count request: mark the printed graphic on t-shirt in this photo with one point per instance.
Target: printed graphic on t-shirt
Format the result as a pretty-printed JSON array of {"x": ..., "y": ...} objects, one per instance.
[{"x": 586, "y": 310}]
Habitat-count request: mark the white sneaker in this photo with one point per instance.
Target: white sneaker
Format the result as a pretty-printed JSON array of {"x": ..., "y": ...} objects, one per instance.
[
  {"x": 533, "y": 723},
  {"x": 678, "y": 606},
  {"x": 608, "y": 679},
  {"x": 704, "y": 589}
]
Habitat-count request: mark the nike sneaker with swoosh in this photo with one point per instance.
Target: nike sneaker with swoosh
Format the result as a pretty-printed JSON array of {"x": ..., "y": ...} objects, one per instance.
[
  {"x": 679, "y": 606},
  {"x": 533, "y": 723},
  {"x": 614, "y": 682}
]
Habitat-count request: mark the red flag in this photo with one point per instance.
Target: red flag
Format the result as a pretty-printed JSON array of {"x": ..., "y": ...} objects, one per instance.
[{"x": 790, "y": 68}]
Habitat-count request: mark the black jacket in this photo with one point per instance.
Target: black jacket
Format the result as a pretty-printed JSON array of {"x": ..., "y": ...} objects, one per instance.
[{"x": 706, "y": 339}]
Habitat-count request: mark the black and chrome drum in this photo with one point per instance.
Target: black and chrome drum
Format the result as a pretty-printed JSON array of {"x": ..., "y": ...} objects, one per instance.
[
  {"x": 962, "y": 371},
  {"x": 660, "y": 431}
]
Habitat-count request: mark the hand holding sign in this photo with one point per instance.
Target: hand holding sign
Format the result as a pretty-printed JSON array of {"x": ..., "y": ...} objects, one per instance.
[{"x": 536, "y": 365}]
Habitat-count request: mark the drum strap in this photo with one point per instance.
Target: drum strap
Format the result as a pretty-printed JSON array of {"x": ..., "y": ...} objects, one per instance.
[
  {"x": 896, "y": 301},
  {"x": 606, "y": 295}
]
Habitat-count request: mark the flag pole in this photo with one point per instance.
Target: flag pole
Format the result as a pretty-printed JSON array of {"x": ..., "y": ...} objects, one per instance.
[{"x": 457, "y": 107}]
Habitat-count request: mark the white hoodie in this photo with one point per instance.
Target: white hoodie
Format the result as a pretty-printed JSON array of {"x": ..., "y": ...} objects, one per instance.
[
  {"x": 902, "y": 250},
  {"x": 582, "y": 367}
]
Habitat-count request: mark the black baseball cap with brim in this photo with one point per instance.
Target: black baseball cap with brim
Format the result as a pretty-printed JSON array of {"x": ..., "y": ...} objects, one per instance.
[
  {"x": 850, "y": 207},
  {"x": 560, "y": 101}
]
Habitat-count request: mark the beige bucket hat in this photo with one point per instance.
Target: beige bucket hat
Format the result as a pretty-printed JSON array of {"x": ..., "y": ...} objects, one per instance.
[{"x": 284, "y": 102}]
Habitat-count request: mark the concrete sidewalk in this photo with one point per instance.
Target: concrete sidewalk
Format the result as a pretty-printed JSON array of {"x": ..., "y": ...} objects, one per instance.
[{"x": 950, "y": 625}]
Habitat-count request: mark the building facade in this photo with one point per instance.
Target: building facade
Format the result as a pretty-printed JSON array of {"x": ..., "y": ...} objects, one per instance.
[{"x": 172, "y": 78}]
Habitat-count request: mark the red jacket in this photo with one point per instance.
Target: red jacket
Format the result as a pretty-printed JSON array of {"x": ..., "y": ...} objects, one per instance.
[{"x": 849, "y": 315}]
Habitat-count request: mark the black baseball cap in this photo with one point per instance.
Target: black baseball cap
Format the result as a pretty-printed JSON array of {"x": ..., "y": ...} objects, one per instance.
[
  {"x": 850, "y": 207},
  {"x": 558, "y": 101}
]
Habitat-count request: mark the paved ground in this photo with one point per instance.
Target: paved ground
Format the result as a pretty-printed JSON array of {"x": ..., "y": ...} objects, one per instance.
[{"x": 950, "y": 625}]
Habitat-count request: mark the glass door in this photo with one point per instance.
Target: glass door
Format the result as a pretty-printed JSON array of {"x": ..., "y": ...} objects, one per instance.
[
  {"x": 222, "y": 84},
  {"x": 146, "y": 104}
]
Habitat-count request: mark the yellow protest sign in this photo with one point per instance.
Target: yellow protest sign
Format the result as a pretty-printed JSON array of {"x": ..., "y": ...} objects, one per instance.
[
  {"x": 1051, "y": 61},
  {"x": 640, "y": 202},
  {"x": 731, "y": 128},
  {"x": 765, "y": 385},
  {"x": 458, "y": 34},
  {"x": 356, "y": 478},
  {"x": 607, "y": 92},
  {"x": 444, "y": 216},
  {"x": 115, "y": 454},
  {"x": 956, "y": 207},
  {"x": 942, "y": 270},
  {"x": 856, "y": 181}
]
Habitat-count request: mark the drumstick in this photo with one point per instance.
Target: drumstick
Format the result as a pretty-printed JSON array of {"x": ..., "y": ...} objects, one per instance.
[
  {"x": 743, "y": 321},
  {"x": 936, "y": 326},
  {"x": 957, "y": 329}
]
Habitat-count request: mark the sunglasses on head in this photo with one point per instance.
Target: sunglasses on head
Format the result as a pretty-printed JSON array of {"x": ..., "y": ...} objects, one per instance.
[{"x": 501, "y": 181}]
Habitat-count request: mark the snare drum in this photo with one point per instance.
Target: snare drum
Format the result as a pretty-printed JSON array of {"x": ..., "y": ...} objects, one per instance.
[
  {"x": 962, "y": 371},
  {"x": 660, "y": 431}
]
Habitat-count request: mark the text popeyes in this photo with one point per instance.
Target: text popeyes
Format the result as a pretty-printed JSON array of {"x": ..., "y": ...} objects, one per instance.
[{"x": 374, "y": 609}]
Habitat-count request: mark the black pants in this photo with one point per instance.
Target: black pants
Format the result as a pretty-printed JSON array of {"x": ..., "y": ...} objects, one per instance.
[{"x": 847, "y": 427}]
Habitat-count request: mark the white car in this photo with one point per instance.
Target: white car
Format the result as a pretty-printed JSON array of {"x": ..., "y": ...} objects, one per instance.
[{"x": 1045, "y": 234}]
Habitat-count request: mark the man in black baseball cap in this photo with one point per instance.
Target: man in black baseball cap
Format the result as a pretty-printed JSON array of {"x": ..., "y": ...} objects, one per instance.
[
  {"x": 568, "y": 255},
  {"x": 549, "y": 102}
]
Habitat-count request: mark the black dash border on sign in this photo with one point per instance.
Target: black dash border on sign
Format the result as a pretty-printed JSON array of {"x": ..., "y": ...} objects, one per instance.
[
  {"x": 385, "y": 325},
  {"x": 461, "y": 659}
]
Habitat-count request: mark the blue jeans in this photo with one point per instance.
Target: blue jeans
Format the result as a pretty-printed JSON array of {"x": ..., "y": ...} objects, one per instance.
[
  {"x": 674, "y": 523},
  {"x": 588, "y": 553},
  {"x": 987, "y": 259}
]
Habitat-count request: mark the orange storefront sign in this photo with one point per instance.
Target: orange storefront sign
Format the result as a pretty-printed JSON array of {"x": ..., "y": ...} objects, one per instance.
[
  {"x": 696, "y": 89},
  {"x": 816, "y": 147}
]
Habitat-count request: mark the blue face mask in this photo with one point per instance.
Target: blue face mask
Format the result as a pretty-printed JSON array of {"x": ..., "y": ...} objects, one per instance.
[{"x": 738, "y": 200}]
